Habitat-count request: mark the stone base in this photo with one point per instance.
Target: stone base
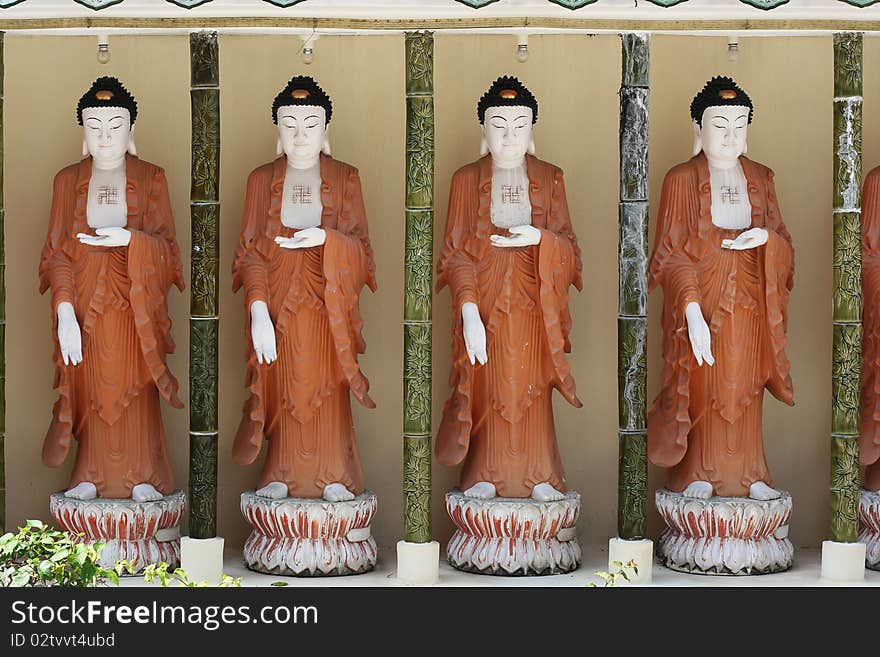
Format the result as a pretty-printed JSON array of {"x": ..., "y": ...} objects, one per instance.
[
  {"x": 724, "y": 535},
  {"x": 842, "y": 562},
  {"x": 869, "y": 526},
  {"x": 513, "y": 536},
  {"x": 418, "y": 564},
  {"x": 640, "y": 551},
  {"x": 202, "y": 559},
  {"x": 140, "y": 532},
  {"x": 309, "y": 537}
]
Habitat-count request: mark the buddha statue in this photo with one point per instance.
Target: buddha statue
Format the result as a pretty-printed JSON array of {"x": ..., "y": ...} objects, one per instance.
[
  {"x": 726, "y": 265},
  {"x": 869, "y": 434},
  {"x": 109, "y": 258},
  {"x": 302, "y": 259},
  {"x": 508, "y": 257}
]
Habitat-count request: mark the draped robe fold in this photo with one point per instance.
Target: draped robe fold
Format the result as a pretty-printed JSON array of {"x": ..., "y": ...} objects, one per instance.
[
  {"x": 499, "y": 417},
  {"x": 705, "y": 424},
  {"x": 301, "y": 402},
  {"x": 110, "y": 401},
  {"x": 869, "y": 434}
]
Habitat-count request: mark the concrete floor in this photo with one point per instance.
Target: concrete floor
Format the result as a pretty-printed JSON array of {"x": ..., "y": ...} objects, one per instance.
[{"x": 805, "y": 572}]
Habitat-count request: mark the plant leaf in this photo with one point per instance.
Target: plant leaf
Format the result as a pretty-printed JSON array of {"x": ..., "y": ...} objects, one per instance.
[
  {"x": 60, "y": 555},
  {"x": 21, "y": 578}
]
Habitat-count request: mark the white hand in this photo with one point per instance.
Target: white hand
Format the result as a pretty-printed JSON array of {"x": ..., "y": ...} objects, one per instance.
[
  {"x": 263, "y": 333},
  {"x": 698, "y": 332},
  {"x": 520, "y": 236},
  {"x": 750, "y": 239},
  {"x": 303, "y": 239},
  {"x": 69, "y": 336},
  {"x": 474, "y": 333},
  {"x": 112, "y": 236}
]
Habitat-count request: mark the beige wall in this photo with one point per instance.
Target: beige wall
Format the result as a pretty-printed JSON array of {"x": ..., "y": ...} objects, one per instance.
[{"x": 576, "y": 79}]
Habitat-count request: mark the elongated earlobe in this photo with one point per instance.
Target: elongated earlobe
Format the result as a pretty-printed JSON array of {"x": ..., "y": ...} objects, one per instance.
[
  {"x": 279, "y": 149},
  {"x": 531, "y": 146},
  {"x": 746, "y": 147},
  {"x": 698, "y": 139},
  {"x": 85, "y": 148},
  {"x": 325, "y": 147},
  {"x": 484, "y": 147},
  {"x": 132, "y": 149}
]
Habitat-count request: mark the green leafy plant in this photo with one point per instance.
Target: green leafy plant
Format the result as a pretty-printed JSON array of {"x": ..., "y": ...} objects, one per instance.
[
  {"x": 619, "y": 572},
  {"x": 39, "y": 555},
  {"x": 162, "y": 574}
]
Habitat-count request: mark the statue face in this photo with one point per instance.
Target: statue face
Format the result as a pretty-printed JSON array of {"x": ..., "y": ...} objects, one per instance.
[
  {"x": 723, "y": 132},
  {"x": 302, "y": 131},
  {"x": 107, "y": 132},
  {"x": 508, "y": 132}
]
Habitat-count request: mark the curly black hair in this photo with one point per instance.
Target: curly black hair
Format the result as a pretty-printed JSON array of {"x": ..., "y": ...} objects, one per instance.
[
  {"x": 507, "y": 91},
  {"x": 107, "y": 92},
  {"x": 720, "y": 90},
  {"x": 302, "y": 90}
]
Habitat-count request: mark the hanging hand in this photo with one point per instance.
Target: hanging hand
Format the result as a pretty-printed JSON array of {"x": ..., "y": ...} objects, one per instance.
[
  {"x": 263, "y": 333},
  {"x": 698, "y": 332},
  {"x": 520, "y": 236},
  {"x": 112, "y": 236},
  {"x": 750, "y": 239},
  {"x": 303, "y": 239},
  {"x": 474, "y": 333},
  {"x": 69, "y": 336}
]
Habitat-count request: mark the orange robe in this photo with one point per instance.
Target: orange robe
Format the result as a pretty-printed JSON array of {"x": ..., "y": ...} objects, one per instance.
[
  {"x": 301, "y": 401},
  {"x": 499, "y": 418},
  {"x": 869, "y": 445},
  {"x": 705, "y": 423},
  {"x": 110, "y": 401}
]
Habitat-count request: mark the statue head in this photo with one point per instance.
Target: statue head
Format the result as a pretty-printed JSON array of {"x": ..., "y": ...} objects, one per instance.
[
  {"x": 107, "y": 112},
  {"x": 507, "y": 111},
  {"x": 302, "y": 112},
  {"x": 721, "y": 114}
]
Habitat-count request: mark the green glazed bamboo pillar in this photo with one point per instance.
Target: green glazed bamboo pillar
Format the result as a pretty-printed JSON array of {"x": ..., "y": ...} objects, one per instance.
[
  {"x": 2, "y": 315},
  {"x": 204, "y": 320},
  {"x": 846, "y": 351},
  {"x": 418, "y": 281},
  {"x": 632, "y": 321}
]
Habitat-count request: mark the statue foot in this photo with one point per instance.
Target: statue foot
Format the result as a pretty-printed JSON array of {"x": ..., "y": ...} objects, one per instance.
[
  {"x": 274, "y": 490},
  {"x": 85, "y": 490},
  {"x": 337, "y": 493},
  {"x": 482, "y": 490},
  {"x": 546, "y": 493},
  {"x": 701, "y": 490},
  {"x": 761, "y": 491},
  {"x": 145, "y": 493}
]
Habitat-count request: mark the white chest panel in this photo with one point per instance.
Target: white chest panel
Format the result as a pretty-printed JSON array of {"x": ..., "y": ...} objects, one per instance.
[
  {"x": 510, "y": 197},
  {"x": 730, "y": 198},
  {"x": 301, "y": 206},
  {"x": 107, "y": 203}
]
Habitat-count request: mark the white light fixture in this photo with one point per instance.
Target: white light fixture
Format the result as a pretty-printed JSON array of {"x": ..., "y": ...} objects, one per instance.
[
  {"x": 103, "y": 49},
  {"x": 308, "y": 47},
  {"x": 522, "y": 47},
  {"x": 733, "y": 49}
]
